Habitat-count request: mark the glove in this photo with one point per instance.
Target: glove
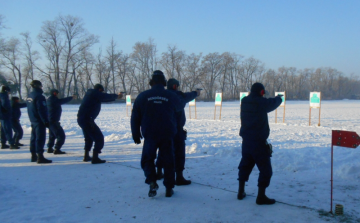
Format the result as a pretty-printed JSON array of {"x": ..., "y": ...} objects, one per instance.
[
  {"x": 47, "y": 125},
  {"x": 137, "y": 140}
]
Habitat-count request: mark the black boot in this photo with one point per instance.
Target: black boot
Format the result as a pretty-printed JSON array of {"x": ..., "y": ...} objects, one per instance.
[
  {"x": 58, "y": 151},
  {"x": 50, "y": 150},
  {"x": 262, "y": 198},
  {"x": 180, "y": 180},
  {"x": 241, "y": 193},
  {"x": 18, "y": 143},
  {"x": 153, "y": 188},
  {"x": 13, "y": 146},
  {"x": 33, "y": 157},
  {"x": 159, "y": 173},
  {"x": 96, "y": 159},
  {"x": 87, "y": 157},
  {"x": 42, "y": 159},
  {"x": 4, "y": 146},
  {"x": 169, "y": 192}
]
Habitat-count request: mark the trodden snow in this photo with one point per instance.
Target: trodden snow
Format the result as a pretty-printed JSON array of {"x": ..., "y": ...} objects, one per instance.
[{"x": 69, "y": 190}]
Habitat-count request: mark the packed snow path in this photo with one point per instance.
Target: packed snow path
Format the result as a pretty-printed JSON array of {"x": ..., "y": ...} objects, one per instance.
[{"x": 70, "y": 190}]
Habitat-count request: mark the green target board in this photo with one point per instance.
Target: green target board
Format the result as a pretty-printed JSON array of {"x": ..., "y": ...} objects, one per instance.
[
  {"x": 218, "y": 98},
  {"x": 128, "y": 99},
  {"x": 315, "y": 99},
  {"x": 282, "y": 98},
  {"x": 243, "y": 95}
]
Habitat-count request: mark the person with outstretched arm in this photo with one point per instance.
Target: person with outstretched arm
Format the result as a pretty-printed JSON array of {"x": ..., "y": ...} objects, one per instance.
[
  {"x": 89, "y": 109},
  {"x": 180, "y": 137},
  {"x": 255, "y": 149},
  {"x": 55, "y": 130}
]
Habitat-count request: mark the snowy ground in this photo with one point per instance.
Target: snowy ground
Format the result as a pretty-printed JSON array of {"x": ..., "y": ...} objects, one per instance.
[{"x": 70, "y": 190}]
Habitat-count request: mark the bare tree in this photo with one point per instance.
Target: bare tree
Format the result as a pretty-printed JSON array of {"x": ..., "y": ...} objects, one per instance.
[
  {"x": 212, "y": 68},
  {"x": 11, "y": 60}
]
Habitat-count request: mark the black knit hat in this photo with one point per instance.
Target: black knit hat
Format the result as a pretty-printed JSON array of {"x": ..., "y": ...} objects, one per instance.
[
  {"x": 98, "y": 87},
  {"x": 158, "y": 77},
  {"x": 257, "y": 88},
  {"x": 171, "y": 83},
  {"x": 36, "y": 84}
]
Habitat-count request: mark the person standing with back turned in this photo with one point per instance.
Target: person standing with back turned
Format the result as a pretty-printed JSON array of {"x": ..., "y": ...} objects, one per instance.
[
  {"x": 155, "y": 116},
  {"x": 255, "y": 149}
]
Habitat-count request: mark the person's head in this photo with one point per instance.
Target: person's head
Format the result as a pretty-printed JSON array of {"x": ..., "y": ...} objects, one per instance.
[
  {"x": 99, "y": 87},
  {"x": 157, "y": 78},
  {"x": 258, "y": 89},
  {"x": 173, "y": 84},
  {"x": 15, "y": 99},
  {"x": 5, "y": 89},
  {"x": 54, "y": 92},
  {"x": 36, "y": 84}
]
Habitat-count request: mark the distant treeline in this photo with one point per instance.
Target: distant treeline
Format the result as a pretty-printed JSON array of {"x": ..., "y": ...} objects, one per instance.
[{"x": 69, "y": 64}]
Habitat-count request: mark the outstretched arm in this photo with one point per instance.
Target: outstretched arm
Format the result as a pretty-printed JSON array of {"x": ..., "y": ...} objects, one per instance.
[
  {"x": 65, "y": 100},
  {"x": 272, "y": 103}
]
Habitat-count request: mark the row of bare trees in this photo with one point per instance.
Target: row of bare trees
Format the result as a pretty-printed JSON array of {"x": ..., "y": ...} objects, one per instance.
[{"x": 69, "y": 64}]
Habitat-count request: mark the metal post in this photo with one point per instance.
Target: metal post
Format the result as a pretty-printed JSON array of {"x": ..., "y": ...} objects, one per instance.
[{"x": 331, "y": 196}]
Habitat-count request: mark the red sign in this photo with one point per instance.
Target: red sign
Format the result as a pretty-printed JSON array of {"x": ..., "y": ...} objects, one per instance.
[{"x": 345, "y": 139}]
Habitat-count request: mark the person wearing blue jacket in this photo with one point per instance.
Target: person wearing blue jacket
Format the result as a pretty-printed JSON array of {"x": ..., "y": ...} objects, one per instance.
[
  {"x": 55, "y": 129},
  {"x": 89, "y": 109},
  {"x": 180, "y": 137},
  {"x": 255, "y": 149},
  {"x": 15, "y": 119},
  {"x": 38, "y": 115},
  {"x": 5, "y": 118},
  {"x": 156, "y": 116}
]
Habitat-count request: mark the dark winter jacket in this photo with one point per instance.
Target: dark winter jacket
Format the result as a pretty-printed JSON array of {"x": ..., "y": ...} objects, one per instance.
[
  {"x": 54, "y": 107},
  {"x": 254, "y": 118},
  {"x": 91, "y": 104},
  {"x": 36, "y": 106},
  {"x": 5, "y": 106},
  {"x": 16, "y": 112},
  {"x": 184, "y": 98},
  {"x": 157, "y": 112}
]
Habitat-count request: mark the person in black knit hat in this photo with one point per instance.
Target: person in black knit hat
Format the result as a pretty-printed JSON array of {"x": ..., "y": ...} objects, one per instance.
[{"x": 255, "y": 148}]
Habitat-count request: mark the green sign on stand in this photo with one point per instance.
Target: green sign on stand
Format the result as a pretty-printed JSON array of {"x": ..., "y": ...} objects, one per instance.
[
  {"x": 218, "y": 98},
  {"x": 128, "y": 99}
]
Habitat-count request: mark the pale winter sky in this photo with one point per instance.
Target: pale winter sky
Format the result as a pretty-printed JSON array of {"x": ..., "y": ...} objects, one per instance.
[{"x": 301, "y": 34}]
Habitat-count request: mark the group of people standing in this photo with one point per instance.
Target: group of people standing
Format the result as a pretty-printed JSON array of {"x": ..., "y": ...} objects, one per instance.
[{"x": 158, "y": 116}]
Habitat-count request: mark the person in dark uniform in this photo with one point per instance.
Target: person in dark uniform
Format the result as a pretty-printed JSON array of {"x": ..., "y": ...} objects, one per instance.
[
  {"x": 255, "y": 150},
  {"x": 38, "y": 115},
  {"x": 89, "y": 109},
  {"x": 180, "y": 137},
  {"x": 155, "y": 116},
  {"x": 55, "y": 129},
  {"x": 15, "y": 119},
  {"x": 5, "y": 118}
]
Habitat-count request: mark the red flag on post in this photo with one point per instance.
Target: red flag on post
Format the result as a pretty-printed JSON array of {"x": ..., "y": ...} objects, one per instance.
[{"x": 344, "y": 139}]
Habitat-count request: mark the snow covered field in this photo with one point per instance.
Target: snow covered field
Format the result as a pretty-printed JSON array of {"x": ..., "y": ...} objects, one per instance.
[{"x": 69, "y": 190}]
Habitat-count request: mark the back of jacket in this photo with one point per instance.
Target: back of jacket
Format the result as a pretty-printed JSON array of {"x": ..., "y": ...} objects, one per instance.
[
  {"x": 36, "y": 106},
  {"x": 16, "y": 112},
  {"x": 91, "y": 104},
  {"x": 54, "y": 107},
  {"x": 5, "y": 106},
  {"x": 157, "y": 112},
  {"x": 254, "y": 118}
]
